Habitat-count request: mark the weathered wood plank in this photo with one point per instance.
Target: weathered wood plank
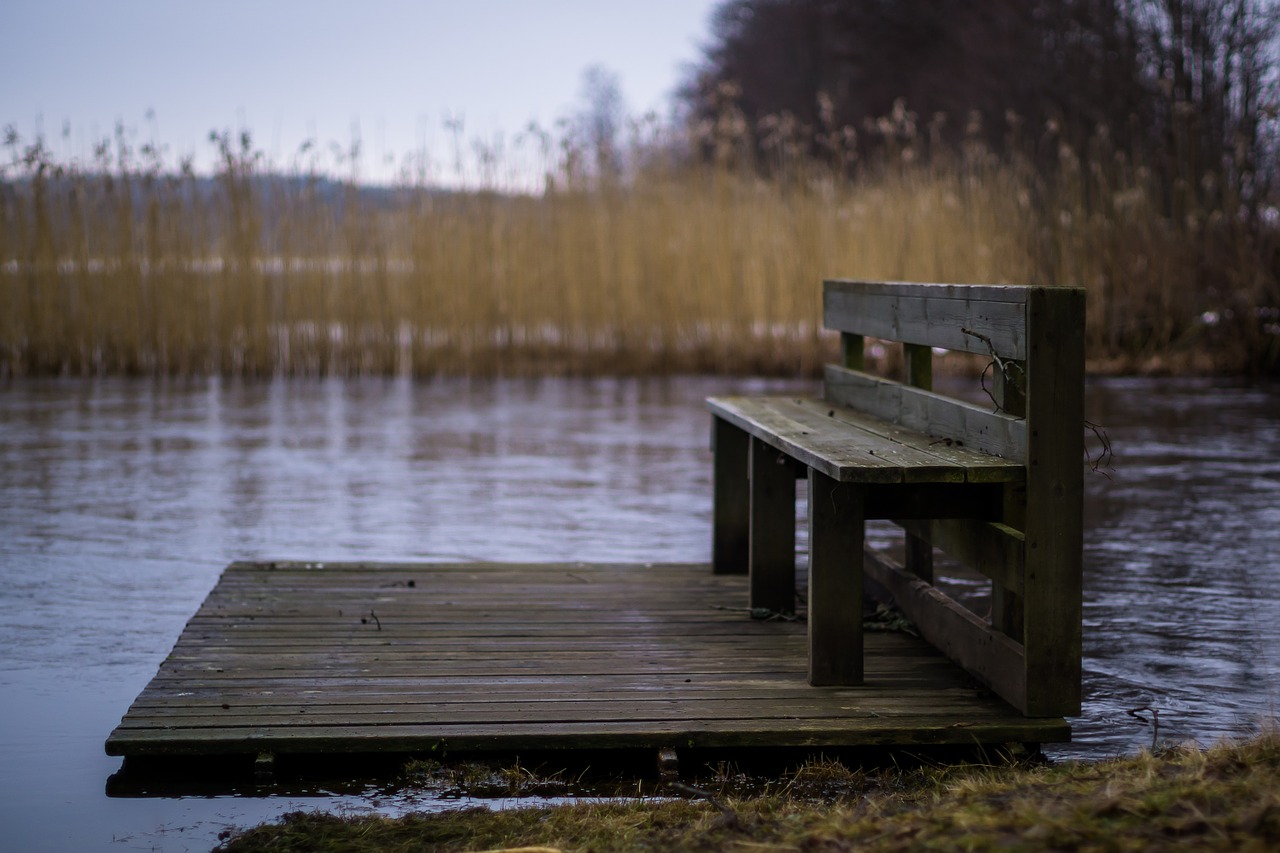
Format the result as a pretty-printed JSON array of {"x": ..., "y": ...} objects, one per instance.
[
  {"x": 961, "y": 703},
  {"x": 251, "y": 635},
  {"x": 597, "y": 666},
  {"x": 957, "y": 317},
  {"x": 468, "y": 737},
  {"x": 814, "y": 445},
  {"x": 1053, "y": 596},
  {"x": 977, "y": 466},
  {"x": 1015, "y": 293},
  {"x": 827, "y": 431},
  {"x": 312, "y": 684},
  {"x": 906, "y": 694},
  {"x": 891, "y": 676},
  {"x": 849, "y": 446},
  {"x": 934, "y": 414}
]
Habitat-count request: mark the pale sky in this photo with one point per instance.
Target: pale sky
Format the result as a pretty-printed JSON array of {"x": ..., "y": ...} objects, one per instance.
[{"x": 292, "y": 70}]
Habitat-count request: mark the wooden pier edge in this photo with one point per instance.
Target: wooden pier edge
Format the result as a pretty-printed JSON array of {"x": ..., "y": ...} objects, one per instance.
[{"x": 342, "y": 658}]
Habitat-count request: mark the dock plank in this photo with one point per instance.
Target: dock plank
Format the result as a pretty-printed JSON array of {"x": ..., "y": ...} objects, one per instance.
[{"x": 344, "y": 658}]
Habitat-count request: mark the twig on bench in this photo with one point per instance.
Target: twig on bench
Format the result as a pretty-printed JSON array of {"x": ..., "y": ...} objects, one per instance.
[{"x": 1006, "y": 368}]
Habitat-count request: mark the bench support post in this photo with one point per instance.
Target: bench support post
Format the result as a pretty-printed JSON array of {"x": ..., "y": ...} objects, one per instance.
[
  {"x": 730, "y": 524},
  {"x": 772, "y": 549},
  {"x": 837, "y": 513},
  {"x": 851, "y": 352},
  {"x": 1009, "y": 390},
  {"x": 1052, "y": 601},
  {"x": 918, "y": 360}
]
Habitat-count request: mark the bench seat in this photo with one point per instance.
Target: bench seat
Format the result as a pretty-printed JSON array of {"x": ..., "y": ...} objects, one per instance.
[{"x": 851, "y": 447}]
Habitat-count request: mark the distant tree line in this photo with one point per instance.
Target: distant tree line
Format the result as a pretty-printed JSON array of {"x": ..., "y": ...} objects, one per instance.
[{"x": 1184, "y": 87}]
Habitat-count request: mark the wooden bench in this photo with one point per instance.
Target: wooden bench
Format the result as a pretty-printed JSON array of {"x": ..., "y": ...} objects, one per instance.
[{"x": 997, "y": 487}]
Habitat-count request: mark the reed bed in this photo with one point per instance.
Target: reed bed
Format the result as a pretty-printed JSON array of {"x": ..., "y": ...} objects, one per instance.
[{"x": 677, "y": 263}]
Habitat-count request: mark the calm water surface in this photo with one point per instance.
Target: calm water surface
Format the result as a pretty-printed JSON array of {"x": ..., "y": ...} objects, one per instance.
[{"x": 121, "y": 501}]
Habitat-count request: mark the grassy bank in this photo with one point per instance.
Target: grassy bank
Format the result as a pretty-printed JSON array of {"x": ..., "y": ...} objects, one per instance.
[
  {"x": 1223, "y": 798},
  {"x": 129, "y": 265}
]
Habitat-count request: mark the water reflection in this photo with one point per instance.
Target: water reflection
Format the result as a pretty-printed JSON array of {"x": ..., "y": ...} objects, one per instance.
[
  {"x": 1182, "y": 611},
  {"x": 121, "y": 501}
]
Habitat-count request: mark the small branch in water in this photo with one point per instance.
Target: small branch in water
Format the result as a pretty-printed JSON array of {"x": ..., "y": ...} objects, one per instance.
[
  {"x": 1105, "y": 456},
  {"x": 728, "y": 817},
  {"x": 1155, "y": 721}
]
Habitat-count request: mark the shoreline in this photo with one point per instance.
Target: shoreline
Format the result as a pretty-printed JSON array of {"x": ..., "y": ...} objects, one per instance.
[{"x": 1224, "y": 797}]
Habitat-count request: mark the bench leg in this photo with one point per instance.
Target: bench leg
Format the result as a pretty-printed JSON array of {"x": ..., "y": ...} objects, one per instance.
[
  {"x": 729, "y": 501},
  {"x": 772, "y": 548},
  {"x": 837, "y": 523},
  {"x": 919, "y": 556},
  {"x": 1007, "y": 614}
]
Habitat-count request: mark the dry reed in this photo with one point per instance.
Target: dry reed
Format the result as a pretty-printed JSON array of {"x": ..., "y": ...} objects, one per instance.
[{"x": 682, "y": 264}]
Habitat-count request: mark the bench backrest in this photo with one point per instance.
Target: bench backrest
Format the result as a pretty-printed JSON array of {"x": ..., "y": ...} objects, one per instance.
[{"x": 1034, "y": 337}]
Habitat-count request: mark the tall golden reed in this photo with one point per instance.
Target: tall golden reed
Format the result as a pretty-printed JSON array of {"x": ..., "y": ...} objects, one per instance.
[{"x": 682, "y": 265}]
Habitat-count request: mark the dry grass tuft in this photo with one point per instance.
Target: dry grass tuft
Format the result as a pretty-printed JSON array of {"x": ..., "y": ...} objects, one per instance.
[{"x": 1224, "y": 798}]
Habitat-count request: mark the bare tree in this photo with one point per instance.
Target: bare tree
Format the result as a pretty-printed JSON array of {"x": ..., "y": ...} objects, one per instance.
[
  {"x": 600, "y": 119},
  {"x": 1189, "y": 87}
]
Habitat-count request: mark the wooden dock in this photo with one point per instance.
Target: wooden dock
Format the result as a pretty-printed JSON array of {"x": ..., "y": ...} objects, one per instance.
[{"x": 299, "y": 658}]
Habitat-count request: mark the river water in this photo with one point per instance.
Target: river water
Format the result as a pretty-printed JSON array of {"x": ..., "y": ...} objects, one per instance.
[{"x": 122, "y": 500}]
